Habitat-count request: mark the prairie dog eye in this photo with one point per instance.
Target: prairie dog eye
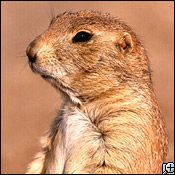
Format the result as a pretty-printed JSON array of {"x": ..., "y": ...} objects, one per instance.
[{"x": 82, "y": 37}]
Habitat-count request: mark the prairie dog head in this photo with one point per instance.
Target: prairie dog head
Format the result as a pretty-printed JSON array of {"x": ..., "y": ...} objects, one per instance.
[{"x": 86, "y": 53}]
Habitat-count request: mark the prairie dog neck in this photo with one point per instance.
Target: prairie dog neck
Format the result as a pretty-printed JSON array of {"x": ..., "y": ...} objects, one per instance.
[{"x": 101, "y": 128}]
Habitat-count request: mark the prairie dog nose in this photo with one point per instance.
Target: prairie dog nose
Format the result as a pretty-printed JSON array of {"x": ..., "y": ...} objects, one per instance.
[{"x": 32, "y": 50}]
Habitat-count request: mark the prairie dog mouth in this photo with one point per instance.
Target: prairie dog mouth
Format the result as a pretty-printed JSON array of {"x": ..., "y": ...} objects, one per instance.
[
  {"x": 48, "y": 77},
  {"x": 56, "y": 83},
  {"x": 44, "y": 74}
]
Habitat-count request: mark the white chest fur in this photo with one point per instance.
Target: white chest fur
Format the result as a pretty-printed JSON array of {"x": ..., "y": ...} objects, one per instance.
[{"x": 77, "y": 138}]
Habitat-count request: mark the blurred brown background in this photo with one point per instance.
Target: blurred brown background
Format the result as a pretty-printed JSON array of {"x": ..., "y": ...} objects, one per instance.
[{"x": 29, "y": 104}]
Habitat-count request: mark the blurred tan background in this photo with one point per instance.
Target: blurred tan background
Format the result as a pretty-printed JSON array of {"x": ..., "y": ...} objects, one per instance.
[{"x": 29, "y": 104}]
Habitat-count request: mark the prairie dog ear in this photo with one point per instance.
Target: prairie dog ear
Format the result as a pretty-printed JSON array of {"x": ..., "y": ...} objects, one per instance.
[{"x": 125, "y": 43}]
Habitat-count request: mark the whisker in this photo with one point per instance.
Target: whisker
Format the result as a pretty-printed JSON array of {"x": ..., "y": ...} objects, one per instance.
[
  {"x": 21, "y": 52},
  {"x": 22, "y": 55},
  {"x": 22, "y": 69},
  {"x": 51, "y": 12}
]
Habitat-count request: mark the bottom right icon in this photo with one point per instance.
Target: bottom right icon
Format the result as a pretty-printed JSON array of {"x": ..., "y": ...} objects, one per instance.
[{"x": 168, "y": 168}]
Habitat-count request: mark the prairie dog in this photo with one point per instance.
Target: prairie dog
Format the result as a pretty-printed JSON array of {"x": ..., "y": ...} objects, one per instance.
[{"x": 109, "y": 121}]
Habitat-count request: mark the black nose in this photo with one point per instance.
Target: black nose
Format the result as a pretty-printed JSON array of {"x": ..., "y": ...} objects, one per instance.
[{"x": 32, "y": 52}]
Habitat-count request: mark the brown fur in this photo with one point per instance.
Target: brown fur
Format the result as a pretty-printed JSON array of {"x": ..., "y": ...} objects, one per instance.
[{"x": 109, "y": 121}]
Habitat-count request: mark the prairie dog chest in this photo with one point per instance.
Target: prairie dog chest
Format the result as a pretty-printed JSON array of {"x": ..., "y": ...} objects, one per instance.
[
  {"x": 77, "y": 125},
  {"x": 76, "y": 141}
]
